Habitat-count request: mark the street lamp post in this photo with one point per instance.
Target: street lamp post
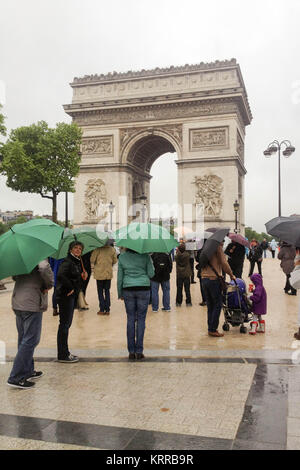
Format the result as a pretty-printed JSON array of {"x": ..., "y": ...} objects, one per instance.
[
  {"x": 111, "y": 207},
  {"x": 236, "y": 207},
  {"x": 143, "y": 200},
  {"x": 273, "y": 148},
  {"x": 67, "y": 211}
]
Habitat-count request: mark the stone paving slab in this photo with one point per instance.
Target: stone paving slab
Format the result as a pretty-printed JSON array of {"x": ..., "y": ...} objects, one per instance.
[{"x": 201, "y": 400}]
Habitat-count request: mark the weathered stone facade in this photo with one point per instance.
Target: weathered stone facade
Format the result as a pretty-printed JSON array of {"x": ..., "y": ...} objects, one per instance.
[{"x": 131, "y": 119}]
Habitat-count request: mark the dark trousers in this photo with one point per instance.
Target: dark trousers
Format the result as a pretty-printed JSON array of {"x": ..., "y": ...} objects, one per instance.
[
  {"x": 66, "y": 312},
  {"x": 288, "y": 286},
  {"x": 252, "y": 264},
  {"x": 202, "y": 290},
  {"x": 85, "y": 283},
  {"x": 237, "y": 268},
  {"x": 213, "y": 295},
  {"x": 54, "y": 301},
  {"x": 103, "y": 288},
  {"x": 183, "y": 282},
  {"x": 192, "y": 268},
  {"x": 273, "y": 253}
]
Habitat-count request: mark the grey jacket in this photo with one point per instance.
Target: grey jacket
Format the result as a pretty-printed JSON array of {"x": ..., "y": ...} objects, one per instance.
[{"x": 27, "y": 295}]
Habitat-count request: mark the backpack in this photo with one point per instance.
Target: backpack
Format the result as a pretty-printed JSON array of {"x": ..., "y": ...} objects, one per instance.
[{"x": 160, "y": 267}]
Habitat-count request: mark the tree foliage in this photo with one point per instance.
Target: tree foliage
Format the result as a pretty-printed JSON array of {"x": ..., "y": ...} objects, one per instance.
[
  {"x": 5, "y": 227},
  {"x": 2, "y": 125},
  {"x": 252, "y": 234},
  {"x": 38, "y": 159}
]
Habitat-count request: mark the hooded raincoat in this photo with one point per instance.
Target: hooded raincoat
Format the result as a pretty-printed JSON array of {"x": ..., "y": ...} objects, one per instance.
[{"x": 259, "y": 297}]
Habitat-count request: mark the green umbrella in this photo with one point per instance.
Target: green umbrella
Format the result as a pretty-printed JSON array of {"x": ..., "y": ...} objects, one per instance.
[
  {"x": 25, "y": 245},
  {"x": 145, "y": 238},
  {"x": 90, "y": 237}
]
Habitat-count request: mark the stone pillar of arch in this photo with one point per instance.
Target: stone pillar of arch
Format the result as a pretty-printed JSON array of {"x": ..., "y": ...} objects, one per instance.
[{"x": 131, "y": 119}]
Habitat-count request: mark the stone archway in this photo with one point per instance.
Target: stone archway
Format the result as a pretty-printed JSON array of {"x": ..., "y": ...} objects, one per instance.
[{"x": 130, "y": 119}]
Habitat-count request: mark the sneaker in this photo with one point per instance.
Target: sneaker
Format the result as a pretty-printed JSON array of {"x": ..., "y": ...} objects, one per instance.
[
  {"x": 55, "y": 312},
  {"x": 155, "y": 311},
  {"x": 166, "y": 309},
  {"x": 35, "y": 375},
  {"x": 71, "y": 358},
  {"x": 131, "y": 357},
  {"x": 202, "y": 304},
  {"x": 25, "y": 384},
  {"x": 189, "y": 305}
]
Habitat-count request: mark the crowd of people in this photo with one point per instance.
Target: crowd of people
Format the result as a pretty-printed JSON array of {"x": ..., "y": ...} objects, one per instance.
[{"x": 139, "y": 277}]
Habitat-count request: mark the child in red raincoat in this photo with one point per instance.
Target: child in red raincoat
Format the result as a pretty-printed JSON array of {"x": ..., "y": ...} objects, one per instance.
[{"x": 259, "y": 305}]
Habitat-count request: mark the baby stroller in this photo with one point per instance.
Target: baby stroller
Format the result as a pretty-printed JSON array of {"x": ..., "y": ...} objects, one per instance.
[{"x": 236, "y": 306}]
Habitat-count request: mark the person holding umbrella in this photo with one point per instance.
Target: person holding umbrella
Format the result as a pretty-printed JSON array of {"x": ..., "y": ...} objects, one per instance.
[
  {"x": 29, "y": 301},
  {"x": 295, "y": 283},
  {"x": 236, "y": 253},
  {"x": 134, "y": 273},
  {"x": 287, "y": 255},
  {"x": 212, "y": 262},
  {"x": 69, "y": 282},
  {"x": 135, "y": 270}
]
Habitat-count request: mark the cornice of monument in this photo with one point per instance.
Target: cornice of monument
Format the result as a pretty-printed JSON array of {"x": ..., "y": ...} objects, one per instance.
[
  {"x": 117, "y": 76},
  {"x": 86, "y": 110},
  {"x": 218, "y": 160}
]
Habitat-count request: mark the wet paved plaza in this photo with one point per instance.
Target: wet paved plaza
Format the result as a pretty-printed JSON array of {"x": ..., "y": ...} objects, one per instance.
[{"x": 192, "y": 391}]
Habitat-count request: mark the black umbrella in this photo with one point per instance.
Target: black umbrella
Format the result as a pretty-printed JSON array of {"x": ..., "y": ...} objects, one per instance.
[
  {"x": 211, "y": 246},
  {"x": 285, "y": 228}
]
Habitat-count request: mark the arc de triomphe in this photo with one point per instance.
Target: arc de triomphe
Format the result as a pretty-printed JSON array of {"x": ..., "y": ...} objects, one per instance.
[{"x": 131, "y": 119}]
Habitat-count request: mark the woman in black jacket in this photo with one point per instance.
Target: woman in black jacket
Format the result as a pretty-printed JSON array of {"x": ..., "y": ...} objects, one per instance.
[
  {"x": 69, "y": 282},
  {"x": 255, "y": 256}
]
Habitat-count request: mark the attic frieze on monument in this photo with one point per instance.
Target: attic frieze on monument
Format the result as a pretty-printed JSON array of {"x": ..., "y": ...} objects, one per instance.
[
  {"x": 152, "y": 86},
  {"x": 152, "y": 113}
]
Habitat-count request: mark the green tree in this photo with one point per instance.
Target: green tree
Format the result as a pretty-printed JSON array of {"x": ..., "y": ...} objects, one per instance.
[
  {"x": 252, "y": 234},
  {"x": 19, "y": 220},
  {"x": 38, "y": 159},
  {"x": 2, "y": 126}
]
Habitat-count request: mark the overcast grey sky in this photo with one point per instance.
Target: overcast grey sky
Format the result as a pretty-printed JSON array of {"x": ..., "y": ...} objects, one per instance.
[{"x": 45, "y": 44}]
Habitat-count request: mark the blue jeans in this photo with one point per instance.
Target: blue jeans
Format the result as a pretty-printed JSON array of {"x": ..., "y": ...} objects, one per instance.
[
  {"x": 213, "y": 295},
  {"x": 136, "y": 304},
  {"x": 29, "y": 326},
  {"x": 103, "y": 288},
  {"x": 66, "y": 312},
  {"x": 165, "y": 285}
]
